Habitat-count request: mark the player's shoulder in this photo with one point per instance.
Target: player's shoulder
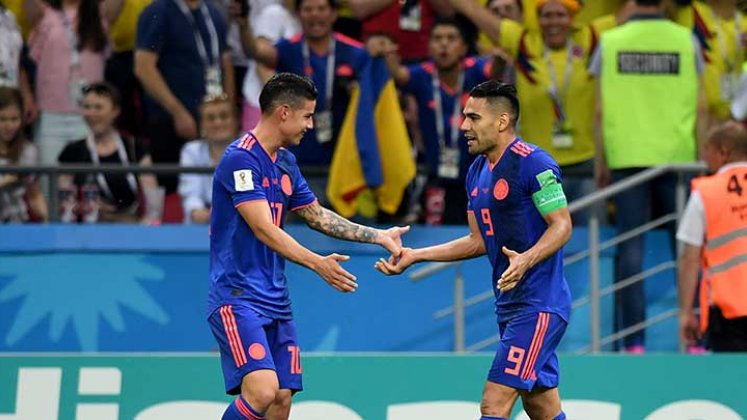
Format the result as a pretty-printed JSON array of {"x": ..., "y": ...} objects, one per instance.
[
  {"x": 347, "y": 41},
  {"x": 523, "y": 150},
  {"x": 243, "y": 149},
  {"x": 531, "y": 156}
]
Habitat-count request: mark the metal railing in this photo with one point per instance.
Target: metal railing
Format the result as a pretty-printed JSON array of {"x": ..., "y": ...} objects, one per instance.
[
  {"x": 52, "y": 171},
  {"x": 592, "y": 253}
]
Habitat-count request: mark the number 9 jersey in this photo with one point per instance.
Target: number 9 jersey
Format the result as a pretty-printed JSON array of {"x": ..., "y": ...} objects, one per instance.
[{"x": 509, "y": 200}]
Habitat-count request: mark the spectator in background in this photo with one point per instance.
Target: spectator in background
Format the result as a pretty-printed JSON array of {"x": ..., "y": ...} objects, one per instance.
[
  {"x": 711, "y": 231},
  {"x": 21, "y": 198},
  {"x": 554, "y": 85},
  {"x": 648, "y": 70},
  {"x": 720, "y": 28},
  {"x": 12, "y": 73},
  {"x": 272, "y": 21},
  {"x": 120, "y": 67},
  {"x": 738, "y": 106},
  {"x": 181, "y": 56},
  {"x": 504, "y": 9},
  {"x": 408, "y": 22},
  {"x": 16, "y": 7},
  {"x": 332, "y": 61},
  {"x": 69, "y": 46},
  {"x": 346, "y": 23},
  {"x": 440, "y": 86},
  {"x": 101, "y": 196},
  {"x": 219, "y": 127}
]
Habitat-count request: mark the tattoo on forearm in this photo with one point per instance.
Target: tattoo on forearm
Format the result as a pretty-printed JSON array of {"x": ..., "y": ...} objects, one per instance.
[{"x": 331, "y": 223}]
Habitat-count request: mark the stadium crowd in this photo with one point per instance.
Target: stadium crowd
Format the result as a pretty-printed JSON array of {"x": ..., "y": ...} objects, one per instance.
[{"x": 175, "y": 81}]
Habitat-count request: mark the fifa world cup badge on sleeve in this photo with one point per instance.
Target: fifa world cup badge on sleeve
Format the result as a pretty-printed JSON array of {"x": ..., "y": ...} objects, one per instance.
[{"x": 242, "y": 180}]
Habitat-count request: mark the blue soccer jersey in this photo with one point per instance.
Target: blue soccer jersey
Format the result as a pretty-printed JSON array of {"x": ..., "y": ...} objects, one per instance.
[
  {"x": 504, "y": 200},
  {"x": 243, "y": 270},
  {"x": 420, "y": 85}
]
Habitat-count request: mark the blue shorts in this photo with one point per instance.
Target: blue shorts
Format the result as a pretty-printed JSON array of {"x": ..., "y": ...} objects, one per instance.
[
  {"x": 249, "y": 341},
  {"x": 526, "y": 354}
]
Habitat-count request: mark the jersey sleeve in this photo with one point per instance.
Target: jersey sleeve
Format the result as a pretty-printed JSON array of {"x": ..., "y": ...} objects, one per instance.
[
  {"x": 239, "y": 173},
  {"x": 283, "y": 47},
  {"x": 541, "y": 176},
  {"x": 416, "y": 80},
  {"x": 302, "y": 195}
]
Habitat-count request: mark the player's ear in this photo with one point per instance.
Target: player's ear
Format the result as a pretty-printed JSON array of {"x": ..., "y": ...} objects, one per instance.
[
  {"x": 283, "y": 112},
  {"x": 504, "y": 121}
]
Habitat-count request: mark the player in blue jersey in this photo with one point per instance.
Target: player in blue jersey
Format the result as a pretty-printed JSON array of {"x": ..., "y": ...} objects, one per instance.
[
  {"x": 518, "y": 215},
  {"x": 255, "y": 184}
]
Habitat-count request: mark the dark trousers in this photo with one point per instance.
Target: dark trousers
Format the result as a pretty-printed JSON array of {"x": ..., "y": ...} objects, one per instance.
[
  {"x": 726, "y": 335},
  {"x": 120, "y": 72},
  {"x": 165, "y": 147},
  {"x": 633, "y": 208}
]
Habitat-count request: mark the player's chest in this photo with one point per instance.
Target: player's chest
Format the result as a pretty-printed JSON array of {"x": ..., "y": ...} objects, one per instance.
[
  {"x": 496, "y": 192},
  {"x": 277, "y": 186}
]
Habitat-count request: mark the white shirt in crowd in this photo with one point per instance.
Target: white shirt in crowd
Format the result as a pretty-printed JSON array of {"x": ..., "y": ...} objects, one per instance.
[
  {"x": 196, "y": 190},
  {"x": 272, "y": 22},
  {"x": 11, "y": 43}
]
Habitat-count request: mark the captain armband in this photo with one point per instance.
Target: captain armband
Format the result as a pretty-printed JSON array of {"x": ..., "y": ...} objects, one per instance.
[{"x": 550, "y": 196}]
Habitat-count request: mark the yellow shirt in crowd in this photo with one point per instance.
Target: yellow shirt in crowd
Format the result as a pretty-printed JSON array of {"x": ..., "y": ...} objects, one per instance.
[
  {"x": 124, "y": 30},
  {"x": 533, "y": 81},
  {"x": 590, "y": 12},
  {"x": 722, "y": 69}
]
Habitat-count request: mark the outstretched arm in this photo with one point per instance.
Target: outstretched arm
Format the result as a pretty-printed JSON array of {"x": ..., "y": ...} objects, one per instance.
[
  {"x": 330, "y": 223},
  {"x": 383, "y": 46},
  {"x": 481, "y": 17},
  {"x": 258, "y": 48},
  {"x": 258, "y": 216},
  {"x": 468, "y": 246}
]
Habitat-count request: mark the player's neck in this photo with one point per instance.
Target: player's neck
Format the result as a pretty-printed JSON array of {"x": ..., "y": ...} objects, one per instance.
[
  {"x": 504, "y": 140},
  {"x": 268, "y": 136}
]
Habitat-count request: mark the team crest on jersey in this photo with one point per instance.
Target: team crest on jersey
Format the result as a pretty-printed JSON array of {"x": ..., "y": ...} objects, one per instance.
[
  {"x": 265, "y": 182},
  {"x": 286, "y": 185},
  {"x": 242, "y": 180},
  {"x": 500, "y": 190}
]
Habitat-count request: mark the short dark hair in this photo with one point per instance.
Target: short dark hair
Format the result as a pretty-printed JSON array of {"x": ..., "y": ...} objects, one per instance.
[
  {"x": 332, "y": 3},
  {"x": 500, "y": 93},
  {"x": 441, "y": 21},
  {"x": 286, "y": 88},
  {"x": 104, "y": 89}
]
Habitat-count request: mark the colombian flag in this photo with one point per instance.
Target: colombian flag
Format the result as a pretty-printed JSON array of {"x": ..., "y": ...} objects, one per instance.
[{"x": 373, "y": 150}]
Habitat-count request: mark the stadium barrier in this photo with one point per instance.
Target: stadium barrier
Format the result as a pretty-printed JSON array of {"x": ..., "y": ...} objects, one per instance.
[{"x": 370, "y": 387}]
